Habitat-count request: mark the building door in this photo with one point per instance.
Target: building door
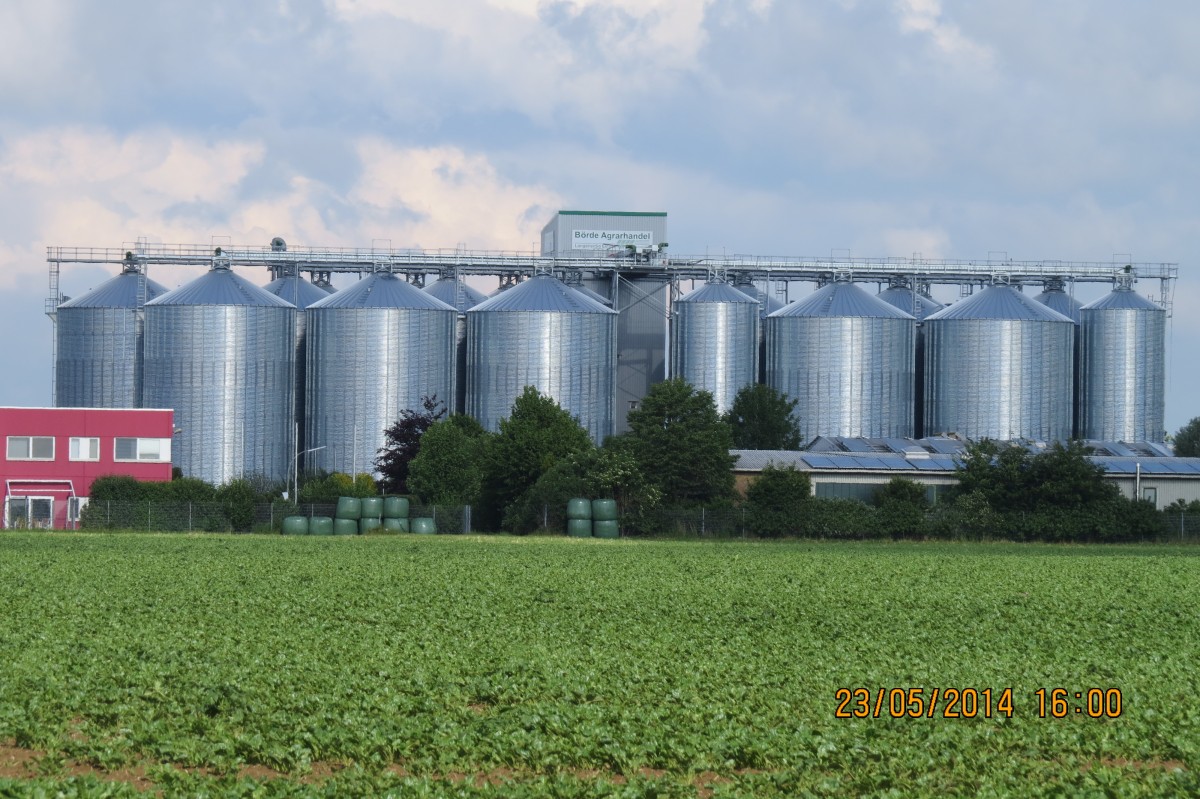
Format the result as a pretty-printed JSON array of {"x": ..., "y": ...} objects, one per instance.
[{"x": 21, "y": 513}]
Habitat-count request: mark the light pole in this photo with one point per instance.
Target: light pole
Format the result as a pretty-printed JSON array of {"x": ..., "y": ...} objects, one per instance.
[{"x": 296, "y": 473}]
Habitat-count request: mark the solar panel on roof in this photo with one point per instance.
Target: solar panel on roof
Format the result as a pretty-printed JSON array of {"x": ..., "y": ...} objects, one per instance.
[
  {"x": 819, "y": 461},
  {"x": 857, "y": 445},
  {"x": 945, "y": 446},
  {"x": 1117, "y": 448},
  {"x": 947, "y": 462},
  {"x": 903, "y": 445},
  {"x": 1154, "y": 466},
  {"x": 928, "y": 465},
  {"x": 895, "y": 462}
]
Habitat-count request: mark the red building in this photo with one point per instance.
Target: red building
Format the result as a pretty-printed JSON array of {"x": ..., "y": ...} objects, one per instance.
[{"x": 52, "y": 455}]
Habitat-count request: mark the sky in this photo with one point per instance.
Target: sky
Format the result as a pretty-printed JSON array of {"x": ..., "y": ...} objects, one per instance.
[{"x": 1066, "y": 130}]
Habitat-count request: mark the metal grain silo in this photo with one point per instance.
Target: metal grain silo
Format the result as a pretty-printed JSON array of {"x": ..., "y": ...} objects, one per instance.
[
  {"x": 542, "y": 333},
  {"x": 998, "y": 365},
  {"x": 900, "y": 295},
  {"x": 1123, "y": 346},
  {"x": 463, "y": 298},
  {"x": 375, "y": 348},
  {"x": 300, "y": 293},
  {"x": 714, "y": 341},
  {"x": 848, "y": 358},
  {"x": 98, "y": 361},
  {"x": 219, "y": 351},
  {"x": 1054, "y": 294}
]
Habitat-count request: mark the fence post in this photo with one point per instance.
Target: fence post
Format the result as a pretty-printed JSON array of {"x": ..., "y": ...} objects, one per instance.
[
  {"x": 148, "y": 505},
  {"x": 189, "y": 517},
  {"x": 108, "y": 514},
  {"x": 702, "y": 528},
  {"x": 545, "y": 517},
  {"x": 466, "y": 514}
]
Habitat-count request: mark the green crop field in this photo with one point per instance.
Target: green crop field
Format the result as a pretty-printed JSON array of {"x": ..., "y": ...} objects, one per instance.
[{"x": 432, "y": 666}]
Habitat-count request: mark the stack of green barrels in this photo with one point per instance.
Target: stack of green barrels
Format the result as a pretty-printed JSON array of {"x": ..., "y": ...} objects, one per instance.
[
  {"x": 303, "y": 525},
  {"x": 395, "y": 514},
  {"x": 592, "y": 517}
]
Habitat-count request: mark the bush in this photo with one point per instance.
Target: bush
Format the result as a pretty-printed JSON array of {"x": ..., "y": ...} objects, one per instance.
[
  {"x": 777, "y": 501},
  {"x": 901, "y": 508},
  {"x": 839, "y": 518}
]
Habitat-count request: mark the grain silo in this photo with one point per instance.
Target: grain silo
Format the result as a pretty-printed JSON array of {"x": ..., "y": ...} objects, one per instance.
[
  {"x": 998, "y": 365},
  {"x": 714, "y": 341},
  {"x": 375, "y": 349},
  {"x": 300, "y": 293},
  {"x": 98, "y": 362},
  {"x": 1054, "y": 294},
  {"x": 219, "y": 351},
  {"x": 542, "y": 333},
  {"x": 1122, "y": 377},
  {"x": 457, "y": 293},
  {"x": 848, "y": 358},
  {"x": 900, "y": 294},
  {"x": 767, "y": 305}
]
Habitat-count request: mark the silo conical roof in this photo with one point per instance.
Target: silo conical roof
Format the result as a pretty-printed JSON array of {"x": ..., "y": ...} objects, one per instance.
[
  {"x": 296, "y": 290},
  {"x": 717, "y": 292},
  {"x": 841, "y": 299},
  {"x": 911, "y": 302},
  {"x": 1124, "y": 299},
  {"x": 220, "y": 286},
  {"x": 999, "y": 302},
  {"x": 456, "y": 293},
  {"x": 542, "y": 293},
  {"x": 1062, "y": 302},
  {"x": 382, "y": 290},
  {"x": 117, "y": 292},
  {"x": 767, "y": 303}
]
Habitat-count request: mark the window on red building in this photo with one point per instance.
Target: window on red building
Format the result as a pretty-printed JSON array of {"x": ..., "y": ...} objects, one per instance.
[
  {"x": 85, "y": 449},
  {"x": 30, "y": 448},
  {"x": 154, "y": 450}
]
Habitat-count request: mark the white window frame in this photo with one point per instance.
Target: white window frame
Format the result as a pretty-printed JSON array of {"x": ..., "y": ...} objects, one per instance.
[
  {"x": 142, "y": 450},
  {"x": 77, "y": 442},
  {"x": 29, "y": 445}
]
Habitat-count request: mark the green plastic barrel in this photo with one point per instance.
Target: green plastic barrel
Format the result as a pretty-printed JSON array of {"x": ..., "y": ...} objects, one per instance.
[
  {"x": 606, "y": 528},
  {"x": 395, "y": 507},
  {"x": 423, "y": 525},
  {"x": 395, "y": 525},
  {"x": 295, "y": 525},
  {"x": 320, "y": 525},
  {"x": 345, "y": 526},
  {"x": 366, "y": 525},
  {"x": 579, "y": 528},
  {"x": 604, "y": 510},
  {"x": 579, "y": 508},
  {"x": 349, "y": 508},
  {"x": 372, "y": 507}
]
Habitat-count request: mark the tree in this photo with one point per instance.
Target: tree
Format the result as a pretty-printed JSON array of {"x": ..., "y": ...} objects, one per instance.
[
  {"x": 402, "y": 441},
  {"x": 682, "y": 445},
  {"x": 761, "y": 418},
  {"x": 1187, "y": 440},
  {"x": 537, "y": 435},
  {"x": 448, "y": 467},
  {"x": 776, "y": 501},
  {"x": 609, "y": 472}
]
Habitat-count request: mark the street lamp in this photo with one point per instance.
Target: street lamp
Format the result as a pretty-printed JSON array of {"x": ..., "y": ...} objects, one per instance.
[{"x": 296, "y": 473}]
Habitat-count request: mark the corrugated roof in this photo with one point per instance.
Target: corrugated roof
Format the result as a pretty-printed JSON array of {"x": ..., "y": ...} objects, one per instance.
[
  {"x": 541, "y": 293},
  {"x": 842, "y": 300},
  {"x": 717, "y": 292},
  {"x": 117, "y": 292},
  {"x": 220, "y": 287},
  {"x": 999, "y": 302},
  {"x": 382, "y": 290},
  {"x": 1123, "y": 299},
  {"x": 456, "y": 293},
  {"x": 909, "y": 301},
  {"x": 1062, "y": 302},
  {"x": 296, "y": 290}
]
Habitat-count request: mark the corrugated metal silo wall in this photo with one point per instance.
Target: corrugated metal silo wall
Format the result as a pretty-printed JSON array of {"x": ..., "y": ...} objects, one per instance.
[
  {"x": 365, "y": 366},
  {"x": 568, "y": 356},
  {"x": 227, "y": 371},
  {"x": 99, "y": 359},
  {"x": 1122, "y": 374},
  {"x": 714, "y": 346},
  {"x": 852, "y": 376},
  {"x": 1002, "y": 379}
]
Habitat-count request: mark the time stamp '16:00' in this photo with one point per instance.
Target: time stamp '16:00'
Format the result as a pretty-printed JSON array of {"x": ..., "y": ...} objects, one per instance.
[{"x": 970, "y": 703}]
